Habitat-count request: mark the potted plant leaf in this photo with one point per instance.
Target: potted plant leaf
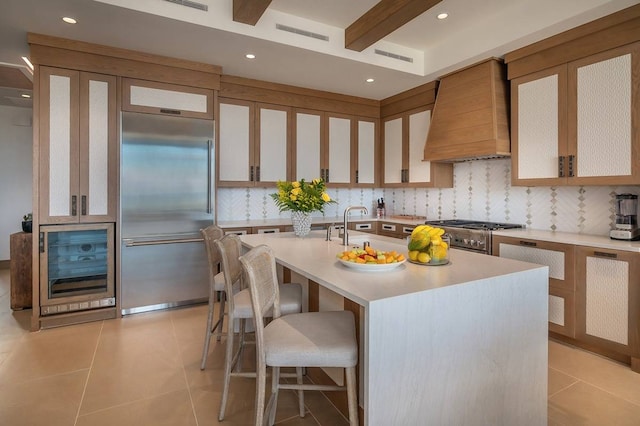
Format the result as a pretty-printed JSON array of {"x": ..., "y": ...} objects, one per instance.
[{"x": 27, "y": 222}]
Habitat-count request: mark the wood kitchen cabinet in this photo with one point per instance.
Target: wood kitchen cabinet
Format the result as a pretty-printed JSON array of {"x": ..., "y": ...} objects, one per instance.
[
  {"x": 560, "y": 260},
  {"x": 404, "y": 136},
  {"x": 608, "y": 301},
  {"x": 78, "y": 146},
  {"x": 254, "y": 144},
  {"x": 339, "y": 148},
  {"x": 577, "y": 123},
  {"x": 153, "y": 97}
]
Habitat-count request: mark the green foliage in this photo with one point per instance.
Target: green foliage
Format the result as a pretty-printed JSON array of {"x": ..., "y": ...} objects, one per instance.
[{"x": 302, "y": 196}]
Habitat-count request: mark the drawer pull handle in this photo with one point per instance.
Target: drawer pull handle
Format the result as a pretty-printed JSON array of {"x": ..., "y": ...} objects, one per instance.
[
  {"x": 528, "y": 243},
  {"x": 170, "y": 111},
  {"x": 389, "y": 227},
  {"x": 604, "y": 254},
  {"x": 360, "y": 226}
]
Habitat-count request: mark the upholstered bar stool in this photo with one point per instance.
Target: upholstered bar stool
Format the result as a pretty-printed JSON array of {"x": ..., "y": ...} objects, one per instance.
[
  {"x": 216, "y": 287},
  {"x": 239, "y": 307},
  {"x": 310, "y": 339}
]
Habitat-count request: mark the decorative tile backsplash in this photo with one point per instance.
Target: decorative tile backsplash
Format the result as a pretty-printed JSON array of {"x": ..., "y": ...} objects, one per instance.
[{"x": 482, "y": 191}]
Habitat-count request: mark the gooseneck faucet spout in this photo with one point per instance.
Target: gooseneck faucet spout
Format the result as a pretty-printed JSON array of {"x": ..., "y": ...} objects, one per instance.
[{"x": 345, "y": 233}]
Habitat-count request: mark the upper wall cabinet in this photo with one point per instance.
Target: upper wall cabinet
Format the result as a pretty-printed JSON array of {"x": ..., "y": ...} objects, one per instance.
[
  {"x": 339, "y": 148},
  {"x": 403, "y": 146},
  {"x": 577, "y": 124},
  {"x": 167, "y": 99},
  {"x": 253, "y": 143},
  {"x": 78, "y": 147}
]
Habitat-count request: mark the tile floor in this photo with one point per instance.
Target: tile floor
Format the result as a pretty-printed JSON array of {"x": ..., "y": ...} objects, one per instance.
[{"x": 144, "y": 370}]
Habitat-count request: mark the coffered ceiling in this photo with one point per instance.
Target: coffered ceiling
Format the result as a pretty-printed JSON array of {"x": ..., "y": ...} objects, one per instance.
[{"x": 302, "y": 42}]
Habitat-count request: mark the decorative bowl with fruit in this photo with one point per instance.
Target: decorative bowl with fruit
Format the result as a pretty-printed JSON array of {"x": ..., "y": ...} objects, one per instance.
[
  {"x": 428, "y": 246},
  {"x": 370, "y": 259}
]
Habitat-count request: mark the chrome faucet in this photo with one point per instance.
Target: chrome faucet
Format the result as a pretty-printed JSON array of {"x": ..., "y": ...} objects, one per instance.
[{"x": 345, "y": 233}]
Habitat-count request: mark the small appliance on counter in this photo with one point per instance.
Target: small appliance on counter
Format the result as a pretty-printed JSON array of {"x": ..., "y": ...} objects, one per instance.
[{"x": 626, "y": 226}]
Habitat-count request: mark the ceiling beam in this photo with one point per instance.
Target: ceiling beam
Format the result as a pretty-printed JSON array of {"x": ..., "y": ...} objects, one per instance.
[
  {"x": 383, "y": 19},
  {"x": 249, "y": 11}
]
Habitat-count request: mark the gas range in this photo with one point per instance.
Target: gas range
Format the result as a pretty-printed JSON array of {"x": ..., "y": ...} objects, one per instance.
[{"x": 471, "y": 235}]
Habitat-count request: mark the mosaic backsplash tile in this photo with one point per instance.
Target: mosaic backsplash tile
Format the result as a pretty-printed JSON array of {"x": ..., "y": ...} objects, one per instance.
[{"x": 482, "y": 191}]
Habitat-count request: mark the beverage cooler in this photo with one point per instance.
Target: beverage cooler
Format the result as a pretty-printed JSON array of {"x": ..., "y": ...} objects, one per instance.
[{"x": 76, "y": 268}]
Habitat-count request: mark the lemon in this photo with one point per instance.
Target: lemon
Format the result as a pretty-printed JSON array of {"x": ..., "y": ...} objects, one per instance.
[
  {"x": 413, "y": 254},
  {"x": 423, "y": 257}
]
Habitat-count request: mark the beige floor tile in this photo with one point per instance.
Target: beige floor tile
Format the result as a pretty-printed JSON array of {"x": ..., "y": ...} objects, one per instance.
[
  {"x": 323, "y": 410},
  {"x": 52, "y": 401},
  {"x": 171, "y": 409},
  {"x": 50, "y": 352},
  {"x": 606, "y": 374},
  {"x": 583, "y": 404},
  {"x": 558, "y": 381}
]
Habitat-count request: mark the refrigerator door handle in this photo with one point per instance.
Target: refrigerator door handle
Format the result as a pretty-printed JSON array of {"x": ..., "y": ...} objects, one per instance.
[
  {"x": 209, "y": 160},
  {"x": 130, "y": 242}
]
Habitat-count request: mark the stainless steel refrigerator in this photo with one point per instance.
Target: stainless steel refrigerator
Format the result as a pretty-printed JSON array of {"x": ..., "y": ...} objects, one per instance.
[{"x": 167, "y": 195}]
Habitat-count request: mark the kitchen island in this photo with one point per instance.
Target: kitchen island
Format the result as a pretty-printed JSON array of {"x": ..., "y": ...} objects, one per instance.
[{"x": 458, "y": 344}]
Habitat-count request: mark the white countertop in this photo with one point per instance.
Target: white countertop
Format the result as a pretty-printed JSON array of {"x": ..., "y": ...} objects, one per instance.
[
  {"x": 598, "y": 241},
  {"x": 317, "y": 220},
  {"x": 317, "y": 259}
]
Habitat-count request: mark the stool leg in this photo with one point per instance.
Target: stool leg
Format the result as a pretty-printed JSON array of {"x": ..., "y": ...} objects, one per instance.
[
  {"x": 273, "y": 401},
  {"x": 300, "y": 392},
  {"x": 227, "y": 369},
  {"x": 223, "y": 296},
  {"x": 261, "y": 381},
  {"x": 352, "y": 395},
  {"x": 207, "y": 336}
]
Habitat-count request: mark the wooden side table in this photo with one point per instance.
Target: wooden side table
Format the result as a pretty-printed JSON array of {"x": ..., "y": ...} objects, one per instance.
[{"x": 21, "y": 287}]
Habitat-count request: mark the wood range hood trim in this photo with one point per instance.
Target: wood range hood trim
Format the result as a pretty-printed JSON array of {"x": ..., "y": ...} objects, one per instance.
[{"x": 471, "y": 115}]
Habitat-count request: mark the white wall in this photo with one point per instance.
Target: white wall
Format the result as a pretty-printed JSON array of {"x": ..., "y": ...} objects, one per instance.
[
  {"x": 482, "y": 191},
  {"x": 16, "y": 146}
]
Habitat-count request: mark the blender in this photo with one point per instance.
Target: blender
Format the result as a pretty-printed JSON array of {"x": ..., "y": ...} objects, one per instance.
[{"x": 626, "y": 226}]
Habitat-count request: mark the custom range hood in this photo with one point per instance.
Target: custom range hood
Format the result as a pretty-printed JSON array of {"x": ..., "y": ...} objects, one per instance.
[{"x": 471, "y": 115}]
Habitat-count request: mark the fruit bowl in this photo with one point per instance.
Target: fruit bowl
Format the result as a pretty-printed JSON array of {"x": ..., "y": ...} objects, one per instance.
[
  {"x": 428, "y": 246},
  {"x": 370, "y": 259},
  {"x": 371, "y": 267}
]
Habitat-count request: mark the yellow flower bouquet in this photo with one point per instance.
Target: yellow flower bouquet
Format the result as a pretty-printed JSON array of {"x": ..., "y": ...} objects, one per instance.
[{"x": 302, "y": 196}]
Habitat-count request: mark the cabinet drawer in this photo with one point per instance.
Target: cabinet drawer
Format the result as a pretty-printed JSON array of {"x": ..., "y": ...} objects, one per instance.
[
  {"x": 167, "y": 99},
  {"x": 267, "y": 229},
  {"x": 562, "y": 312},
  {"x": 363, "y": 226},
  {"x": 389, "y": 229}
]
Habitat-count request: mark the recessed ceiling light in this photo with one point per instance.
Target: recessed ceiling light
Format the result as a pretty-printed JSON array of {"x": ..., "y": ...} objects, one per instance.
[
  {"x": 443, "y": 15},
  {"x": 370, "y": 80},
  {"x": 69, "y": 20},
  {"x": 26, "y": 95},
  {"x": 250, "y": 56}
]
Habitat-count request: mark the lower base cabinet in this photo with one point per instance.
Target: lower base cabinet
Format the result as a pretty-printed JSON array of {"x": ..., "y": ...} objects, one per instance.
[
  {"x": 594, "y": 294},
  {"x": 608, "y": 299}
]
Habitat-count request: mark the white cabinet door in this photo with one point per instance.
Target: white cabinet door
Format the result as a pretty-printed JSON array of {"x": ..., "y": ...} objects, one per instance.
[
  {"x": 603, "y": 115},
  {"x": 339, "y": 165},
  {"x": 366, "y": 166},
  {"x": 234, "y": 140},
  {"x": 537, "y": 139},
  {"x": 393, "y": 170},
  {"x": 273, "y": 133},
  {"x": 98, "y": 148},
  {"x": 78, "y": 147},
  {"x": 308, "y": 142},
  {"x": 419, "y": 170}
]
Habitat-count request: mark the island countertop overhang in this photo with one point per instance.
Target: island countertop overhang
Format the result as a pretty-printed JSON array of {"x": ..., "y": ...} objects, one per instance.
[{"x": 315, "y": 258}]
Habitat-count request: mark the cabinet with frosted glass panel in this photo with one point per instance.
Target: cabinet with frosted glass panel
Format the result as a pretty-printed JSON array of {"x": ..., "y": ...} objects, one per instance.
[
  {"x": 560, "y": 260},
  {"x": 339, "y": 148},
  {"x": 577, "y": 123},
  {"x": 78, "y": 145},
  {"x": 254, "y": 143}
]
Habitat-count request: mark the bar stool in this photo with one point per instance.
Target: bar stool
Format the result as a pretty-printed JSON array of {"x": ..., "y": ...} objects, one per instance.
[
  {"x": 216, "y": 287},
  {"x": 239, "y": 307},
  {"x": 310, "y": 339}
]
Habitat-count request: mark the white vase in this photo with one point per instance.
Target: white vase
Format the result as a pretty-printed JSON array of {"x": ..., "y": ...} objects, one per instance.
[{"x": 301, "y": 223}]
